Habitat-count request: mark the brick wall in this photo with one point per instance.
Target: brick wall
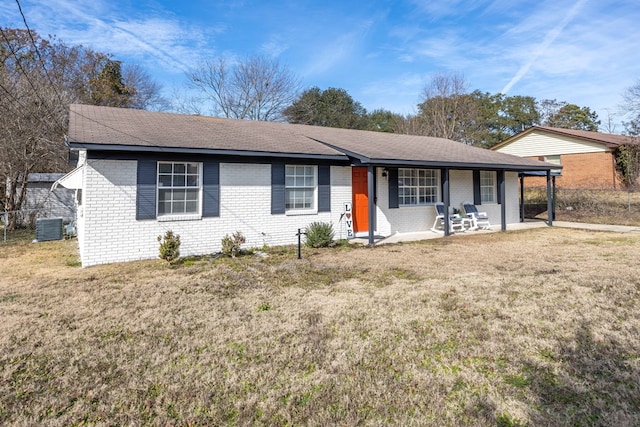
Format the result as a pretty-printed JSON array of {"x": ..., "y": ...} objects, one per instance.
[
  {"x": 108, "y": 231},
  {"x": 584, "y": 170}
]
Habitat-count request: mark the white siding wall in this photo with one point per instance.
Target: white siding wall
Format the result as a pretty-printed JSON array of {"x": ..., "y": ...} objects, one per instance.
[
  {"x": 109, "y": 232},
  {"x": 539, "y": 143}
]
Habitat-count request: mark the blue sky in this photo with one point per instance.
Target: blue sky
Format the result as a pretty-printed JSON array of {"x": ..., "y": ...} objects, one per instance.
[{"x": 383, "y": 53}]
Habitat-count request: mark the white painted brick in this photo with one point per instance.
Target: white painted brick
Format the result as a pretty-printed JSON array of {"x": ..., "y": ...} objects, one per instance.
[{"x": 108, "y": 231}]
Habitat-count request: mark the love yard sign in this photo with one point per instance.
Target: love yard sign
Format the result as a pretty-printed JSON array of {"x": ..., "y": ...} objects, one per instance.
[{"x": 348, "y": 215}]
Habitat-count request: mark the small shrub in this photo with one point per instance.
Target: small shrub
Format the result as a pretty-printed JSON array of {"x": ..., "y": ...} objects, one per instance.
[
  {"x": 231, "y": 245},
  {"x": 169, "y": 246},
  {"x": 319, "y": 235}
]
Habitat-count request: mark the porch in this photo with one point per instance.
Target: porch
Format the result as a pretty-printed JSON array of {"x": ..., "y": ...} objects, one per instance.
[{"x": 526, "y": 225}]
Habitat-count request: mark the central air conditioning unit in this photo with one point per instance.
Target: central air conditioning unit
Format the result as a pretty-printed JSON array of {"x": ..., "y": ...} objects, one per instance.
[{"x": 48, "y": 229}]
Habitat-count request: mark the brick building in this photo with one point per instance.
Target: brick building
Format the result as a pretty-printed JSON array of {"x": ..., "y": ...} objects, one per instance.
[
  {"x": 587, "y": 158},
  {"x": 142, "y": 173}
]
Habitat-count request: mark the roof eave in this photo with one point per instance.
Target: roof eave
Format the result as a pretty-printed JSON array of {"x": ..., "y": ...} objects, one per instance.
[
  {"x": 209, "y": 151},
  {"x": 555, "y": 131},
  {"x": 460, "y": 165}
]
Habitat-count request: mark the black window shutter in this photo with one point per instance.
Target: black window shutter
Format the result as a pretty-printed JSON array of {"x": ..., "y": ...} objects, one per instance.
[
  {"x": 277, "y": 188},
  {"x": 211, "y": 189},
  {"x": 477, "y": 197},
  {"x": 500, "y": 185},
  {"x": 146, "y": 190},
  {"x": 393, "y": 188},
  {"x": 324, "y": 188}
]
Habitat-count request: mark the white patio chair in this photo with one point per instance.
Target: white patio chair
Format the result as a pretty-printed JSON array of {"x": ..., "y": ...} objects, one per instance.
[
  {"x": 456, "y": 223},
  {"x": 479, "y": 220}
]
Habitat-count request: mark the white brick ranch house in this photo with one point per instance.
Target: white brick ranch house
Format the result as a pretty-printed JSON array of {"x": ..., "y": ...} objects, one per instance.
[{"x": 142, "y": 173}]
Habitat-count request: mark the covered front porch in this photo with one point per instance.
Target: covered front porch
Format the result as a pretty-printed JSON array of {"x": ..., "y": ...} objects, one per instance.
[
  {"x": 429, "y": 235},
  {"x": 389, "y": 220}
]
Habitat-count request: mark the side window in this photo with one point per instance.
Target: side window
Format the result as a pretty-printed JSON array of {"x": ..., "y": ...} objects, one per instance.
[
  {"x": 179, "y": 188},
  {"x": 300, "y": 187},
  {"x": 488, "y": 186},
  {"x": 556, "y": 160}
]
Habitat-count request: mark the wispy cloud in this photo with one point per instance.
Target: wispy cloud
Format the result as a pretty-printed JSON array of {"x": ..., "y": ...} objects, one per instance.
[
  {"x": 382, "y": 53},
  {"x": 549, "y": 38},
  {"x": 158, "y": 41},
  {"x": 274, "y": 47},
  {"x": 331, "y": 53}
]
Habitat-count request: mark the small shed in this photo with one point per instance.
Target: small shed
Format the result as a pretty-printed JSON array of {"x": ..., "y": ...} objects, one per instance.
[{"x": 45, "y": 202}]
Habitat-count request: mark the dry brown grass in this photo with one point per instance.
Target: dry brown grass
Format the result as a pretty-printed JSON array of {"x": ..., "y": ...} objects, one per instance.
[
  {"x": 521, "y": 328},
  {"x": 592, "y": 206}
]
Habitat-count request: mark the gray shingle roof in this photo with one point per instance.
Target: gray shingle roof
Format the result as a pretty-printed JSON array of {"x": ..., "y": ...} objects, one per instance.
[{"x": 110, "y": 128}]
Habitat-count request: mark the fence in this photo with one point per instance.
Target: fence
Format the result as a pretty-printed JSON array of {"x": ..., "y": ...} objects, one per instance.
[
  {"x": 620, "y": 205},
  {"x": 18, "y": 224},
  {"x": 21, "y": 225}
]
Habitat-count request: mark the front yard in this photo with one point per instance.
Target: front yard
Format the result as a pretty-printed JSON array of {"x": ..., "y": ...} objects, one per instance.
[{"x": 537, "y": 327}]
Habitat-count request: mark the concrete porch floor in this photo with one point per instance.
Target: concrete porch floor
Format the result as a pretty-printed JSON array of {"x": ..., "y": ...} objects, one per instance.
[{"x": 528, "y": 224}]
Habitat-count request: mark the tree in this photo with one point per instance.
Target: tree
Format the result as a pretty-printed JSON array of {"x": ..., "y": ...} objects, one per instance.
[
  {"x": 107, "y": 87},
  {"x": 518, "y": 113},
  {"x": 411, "y": 124},
  {"x": 631, "y": 97},
  {"x": 258, "y": 88},
  {"x": 39, "y": 78},
  {"x": 477, "y": 118},
  {"x": 631, "y": 105},
  {"x": 628, "y": 163},
  {"x": 148, "y": 92},
  {"x": 547, "y": 108},
  {"x": 446, "y": 106},
  {"x": 331, "y": 107},
  {"x": 571, "y": 116},
  {"x": 33, "y": 116},
  {"x": 381, "y": 120}
]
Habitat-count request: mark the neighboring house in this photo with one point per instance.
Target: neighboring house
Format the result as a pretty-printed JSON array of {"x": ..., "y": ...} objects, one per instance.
[
  {"x": 587, "y": 158},
  {"x": 142, "y": 173},
  {"x": 43, "y": 202}
]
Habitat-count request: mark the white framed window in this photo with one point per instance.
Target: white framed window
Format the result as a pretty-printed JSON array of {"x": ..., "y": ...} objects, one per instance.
[
  {"x": 556, "y": 160},
  {"x": 488, "y": 186},
  {"x": 418, "y": 186},
  {"x": 179, "y": 188},
  {"x": 300, "y": 187}
]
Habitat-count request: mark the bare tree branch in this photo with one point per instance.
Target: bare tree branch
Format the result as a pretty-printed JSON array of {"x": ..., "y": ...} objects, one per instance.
[{"x": 258, "y": 88}]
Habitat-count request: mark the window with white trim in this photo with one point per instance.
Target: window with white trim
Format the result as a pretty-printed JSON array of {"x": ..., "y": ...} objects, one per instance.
[
  {"x": 488, "y": 186},
  {"x": 418, "y": 186},
  {"x": 300, "y": 187},
  {"x": 179, "y": 188},
  {"x": 556, "y": 160}
]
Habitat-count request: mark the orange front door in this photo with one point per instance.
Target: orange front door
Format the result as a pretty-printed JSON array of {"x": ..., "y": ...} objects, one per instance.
[{"x": 359, "y": 187}]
